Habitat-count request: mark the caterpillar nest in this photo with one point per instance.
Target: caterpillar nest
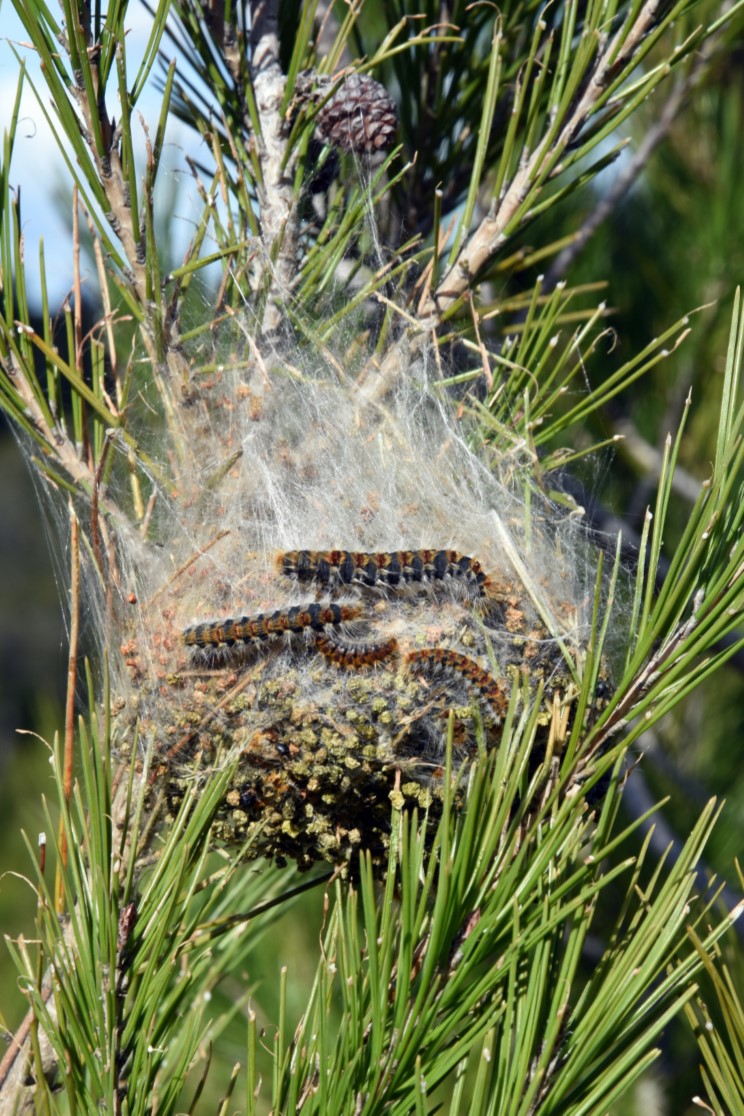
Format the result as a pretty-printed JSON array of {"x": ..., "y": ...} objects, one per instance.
[{"x": 338, "y": 584}]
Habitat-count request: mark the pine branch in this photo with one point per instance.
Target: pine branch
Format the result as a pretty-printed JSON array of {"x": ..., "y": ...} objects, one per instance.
[
  {"x": 615, "y": 57},
  {"x": 342, "y": 621}
]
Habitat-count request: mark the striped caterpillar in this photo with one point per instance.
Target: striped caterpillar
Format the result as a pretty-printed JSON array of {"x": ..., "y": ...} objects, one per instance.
[
  {"x": 437, "y": 660},
  {"x": 355, "y": 656},
  {"x": 258, "y": 629},
  {"x": 393, "y": 568}
]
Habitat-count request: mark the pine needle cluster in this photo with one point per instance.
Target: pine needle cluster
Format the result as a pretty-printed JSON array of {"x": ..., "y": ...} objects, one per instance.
[{"x": 369, "y": 361}]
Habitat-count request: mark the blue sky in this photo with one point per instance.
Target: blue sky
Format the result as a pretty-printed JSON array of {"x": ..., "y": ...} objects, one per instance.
[{"x": 38, "y": 168}]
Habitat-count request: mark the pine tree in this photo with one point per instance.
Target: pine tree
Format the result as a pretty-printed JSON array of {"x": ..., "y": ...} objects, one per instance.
[{"x": 316, "y": 486}]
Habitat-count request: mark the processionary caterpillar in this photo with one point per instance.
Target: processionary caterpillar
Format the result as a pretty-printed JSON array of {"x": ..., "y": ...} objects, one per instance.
[
  {"x": 431, "y": 660},
  {"x": 394, "y": 568},
  {"x": 354, "y": 656},
  {"x": 257, "y": 629}
]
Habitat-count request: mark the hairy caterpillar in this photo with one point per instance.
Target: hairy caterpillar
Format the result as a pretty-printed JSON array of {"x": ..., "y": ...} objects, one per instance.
[
  {"x": 393, "y": 568},
  {"x": 442, "y": 660},
  {"x": 355, "y": 656},
  {"x": 264, "y": 626}
]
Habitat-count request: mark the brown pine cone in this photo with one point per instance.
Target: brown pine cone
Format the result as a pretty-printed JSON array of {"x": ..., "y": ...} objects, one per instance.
[{"x": 360, "y": 117}]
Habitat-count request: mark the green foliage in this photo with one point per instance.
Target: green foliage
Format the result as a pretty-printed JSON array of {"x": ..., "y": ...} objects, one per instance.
[
  {"x": 458, "y": 981},
  {"x": 136, "y": 953},
  {"x": 467, "y": 956},
  {"x": 721, "y": 1038}
]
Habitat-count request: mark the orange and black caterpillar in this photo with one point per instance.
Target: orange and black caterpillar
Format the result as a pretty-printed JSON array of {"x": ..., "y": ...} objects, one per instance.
[
  {"x": 257, "y": 629},
  {"x": 433, "y": 660},
  {"x": 394, "y": 568},
  {"x": 354, "y": 656}
]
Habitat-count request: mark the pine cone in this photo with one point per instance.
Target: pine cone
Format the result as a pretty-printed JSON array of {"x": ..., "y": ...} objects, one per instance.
[{"x": 360, "y": 117}]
